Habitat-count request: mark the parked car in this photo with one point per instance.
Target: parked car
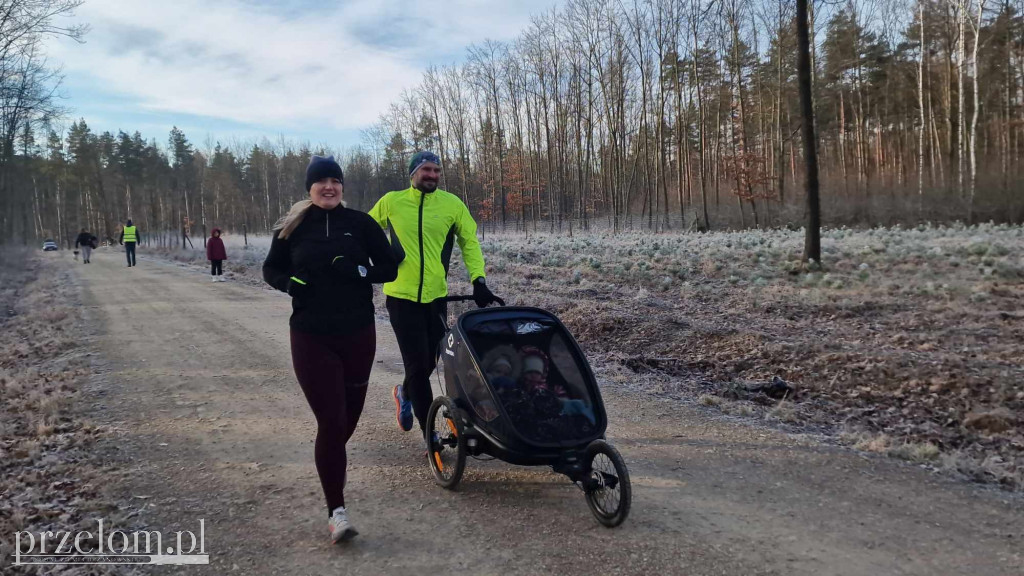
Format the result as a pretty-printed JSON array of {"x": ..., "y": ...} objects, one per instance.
[{"x": 50, "y": 246}]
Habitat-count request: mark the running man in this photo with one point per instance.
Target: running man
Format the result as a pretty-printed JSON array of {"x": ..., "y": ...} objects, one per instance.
[{"x": 425, "y": 223}]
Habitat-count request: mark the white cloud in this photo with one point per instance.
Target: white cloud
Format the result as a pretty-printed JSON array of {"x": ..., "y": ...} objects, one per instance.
[{"x": 320, "y": 67}]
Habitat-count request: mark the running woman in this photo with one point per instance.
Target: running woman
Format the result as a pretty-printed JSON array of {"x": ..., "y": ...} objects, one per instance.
[{"x": 326, "y": 256}]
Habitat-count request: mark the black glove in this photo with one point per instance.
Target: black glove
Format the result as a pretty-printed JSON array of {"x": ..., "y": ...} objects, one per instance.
[
  {"x": 347, "y": 268},
  {"x": 482, "y": 294},
  {"x": 297, "y": 287}
]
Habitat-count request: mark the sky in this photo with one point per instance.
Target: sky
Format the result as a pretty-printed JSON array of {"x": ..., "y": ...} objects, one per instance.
[{"x": 246, "y": 69}]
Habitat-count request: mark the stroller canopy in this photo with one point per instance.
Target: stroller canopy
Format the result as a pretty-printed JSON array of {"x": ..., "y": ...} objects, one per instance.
[{"x": 525, "y": 377}]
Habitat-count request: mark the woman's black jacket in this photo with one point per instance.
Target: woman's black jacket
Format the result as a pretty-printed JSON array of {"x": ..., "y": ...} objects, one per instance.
[{"x": 328, "y": 296}]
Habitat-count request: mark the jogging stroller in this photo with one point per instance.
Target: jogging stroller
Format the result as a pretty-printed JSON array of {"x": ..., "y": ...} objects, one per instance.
[{"x": 517, "y": 387}]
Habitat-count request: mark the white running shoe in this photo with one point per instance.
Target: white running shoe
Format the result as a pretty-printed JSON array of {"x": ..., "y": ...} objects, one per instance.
[
  {"x": 214, "y": 278},
  {"x": 221, "y": 279},
  {"x": 341, "y": 529}
]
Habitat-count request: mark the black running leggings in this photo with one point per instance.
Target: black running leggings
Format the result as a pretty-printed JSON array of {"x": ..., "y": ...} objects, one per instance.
[
  {"x": 216, "y": 267},
  {"x": 333, "y": 372},
  {"x": 418, "y": 329}
]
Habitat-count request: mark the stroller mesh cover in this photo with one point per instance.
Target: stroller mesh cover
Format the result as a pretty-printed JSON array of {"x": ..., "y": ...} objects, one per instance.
[{"x": 529, "y": 368}]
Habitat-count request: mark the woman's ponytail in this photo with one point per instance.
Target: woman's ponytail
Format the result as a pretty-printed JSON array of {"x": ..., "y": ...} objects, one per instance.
[{"x": 287, "y": 224}]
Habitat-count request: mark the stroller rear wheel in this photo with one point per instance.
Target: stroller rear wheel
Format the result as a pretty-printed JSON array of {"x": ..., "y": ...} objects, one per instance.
[
  {"x": 447, "y": 446},
  {"x": 607, "y": 487}
]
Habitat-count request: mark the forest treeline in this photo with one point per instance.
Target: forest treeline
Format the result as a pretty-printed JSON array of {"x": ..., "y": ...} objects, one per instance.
[{"x": 661, "y": 114}]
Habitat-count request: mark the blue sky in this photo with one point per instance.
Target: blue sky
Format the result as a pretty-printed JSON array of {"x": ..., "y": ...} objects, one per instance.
[{"x": 246, "y": 69}]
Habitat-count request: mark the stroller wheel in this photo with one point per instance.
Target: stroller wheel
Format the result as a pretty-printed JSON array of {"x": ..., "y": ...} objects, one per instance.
[
  {"x": 447, "y": 447},
  {"x": 607, "y": 487}
]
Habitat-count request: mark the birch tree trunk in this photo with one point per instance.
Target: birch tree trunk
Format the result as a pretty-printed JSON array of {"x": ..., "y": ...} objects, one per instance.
[
  {"x": 961, "y": 64},
  {"x": 976, "y": 24}
]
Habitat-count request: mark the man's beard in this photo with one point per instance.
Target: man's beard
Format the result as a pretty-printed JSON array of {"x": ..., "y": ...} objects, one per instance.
[{"x": 427, "y": 186}]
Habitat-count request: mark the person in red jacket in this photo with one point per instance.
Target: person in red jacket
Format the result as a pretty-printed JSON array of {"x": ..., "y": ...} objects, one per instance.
[{"x": 216, "y": 254}]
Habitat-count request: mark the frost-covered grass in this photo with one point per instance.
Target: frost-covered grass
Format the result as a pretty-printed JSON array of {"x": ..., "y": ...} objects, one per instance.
[
  {"x": 898, "y": 332},
  {"x": 926, "y": 259},
  {"x": 50, "y": 472}
]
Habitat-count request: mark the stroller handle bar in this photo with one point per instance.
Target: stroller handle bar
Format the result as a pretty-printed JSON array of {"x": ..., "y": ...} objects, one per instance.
[
  {"x": 458, "y": 298},
  {"x": 465, "y": 298}
]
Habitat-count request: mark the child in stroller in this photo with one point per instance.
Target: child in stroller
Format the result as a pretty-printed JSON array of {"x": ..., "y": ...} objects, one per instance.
[{"x": 536, "y": 400}]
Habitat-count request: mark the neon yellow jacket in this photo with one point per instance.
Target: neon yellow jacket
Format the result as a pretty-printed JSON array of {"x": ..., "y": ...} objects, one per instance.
[{"x": 424, "y": 228}]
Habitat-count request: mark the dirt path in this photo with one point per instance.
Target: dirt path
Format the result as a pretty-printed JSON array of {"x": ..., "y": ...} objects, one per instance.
[{"x": 198, "y": 377}]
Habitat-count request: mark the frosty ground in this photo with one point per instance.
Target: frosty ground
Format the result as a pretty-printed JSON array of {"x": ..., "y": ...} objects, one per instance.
[
  {"x": 49, "y": 475},
  {"x": 190, "y": 387},
  {"x": 907, "y": 341}
]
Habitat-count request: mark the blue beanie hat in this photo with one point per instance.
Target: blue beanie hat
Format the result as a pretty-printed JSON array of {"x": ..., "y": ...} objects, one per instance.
[
  {"x": 321, "y": 167},
  {"x": 420, "y": 158}
]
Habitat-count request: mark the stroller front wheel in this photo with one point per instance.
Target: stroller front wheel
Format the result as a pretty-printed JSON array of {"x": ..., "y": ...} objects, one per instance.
[
  {"x": 607, "y": 487},
  {"x": 446, "y": 450}
]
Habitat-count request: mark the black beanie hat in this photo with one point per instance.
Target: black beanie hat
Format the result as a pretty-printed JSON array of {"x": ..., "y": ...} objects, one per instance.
[{"x": 321, "y": 167}]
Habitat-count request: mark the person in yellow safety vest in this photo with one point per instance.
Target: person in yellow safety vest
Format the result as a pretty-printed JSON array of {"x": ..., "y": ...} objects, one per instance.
[
  {"x": 425, "y": 223},
  {"x": 129, "y": 237}
]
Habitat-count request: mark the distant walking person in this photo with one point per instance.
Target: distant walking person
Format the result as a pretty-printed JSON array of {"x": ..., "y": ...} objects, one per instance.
[
  {"x": 325, "y": 256},
  {"x": 129, "y": 236},
  {"x": 86, "y": 241},
  {"x": 216, "y": 254}
]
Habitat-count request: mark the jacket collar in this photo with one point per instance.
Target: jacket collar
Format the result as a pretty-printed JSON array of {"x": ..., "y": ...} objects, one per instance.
[
  {"x": 417, "y": 192},
  {"x": 317, "y": 211}
]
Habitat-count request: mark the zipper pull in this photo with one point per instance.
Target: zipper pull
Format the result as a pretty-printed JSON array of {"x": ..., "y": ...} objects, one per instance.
[{"x": 328, "y": 226}]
